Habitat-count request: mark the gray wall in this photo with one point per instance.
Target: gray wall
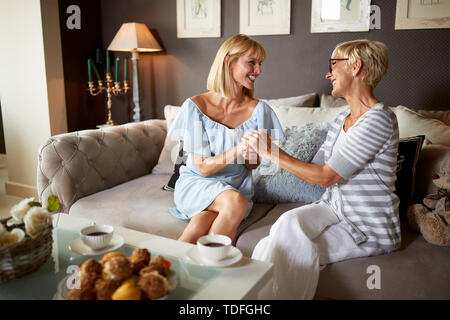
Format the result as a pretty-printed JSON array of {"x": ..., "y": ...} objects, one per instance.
[{"x": 418, "y": 77}]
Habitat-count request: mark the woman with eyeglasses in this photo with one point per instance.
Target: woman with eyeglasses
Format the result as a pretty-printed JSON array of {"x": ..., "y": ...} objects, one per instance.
[{"x": 357, "y": 216}]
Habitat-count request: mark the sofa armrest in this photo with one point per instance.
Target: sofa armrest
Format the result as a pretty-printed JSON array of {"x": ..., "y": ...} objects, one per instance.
[{"x": 77, "y": 164}]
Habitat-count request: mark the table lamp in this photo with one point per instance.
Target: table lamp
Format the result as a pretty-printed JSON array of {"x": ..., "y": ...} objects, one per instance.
[{"x": 134, "y": 37}]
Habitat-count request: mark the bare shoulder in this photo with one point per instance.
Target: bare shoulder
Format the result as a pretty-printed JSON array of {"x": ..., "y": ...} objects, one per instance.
[
  {"x": 251, "y": 103},
  {"x": 200, "y": 100}
]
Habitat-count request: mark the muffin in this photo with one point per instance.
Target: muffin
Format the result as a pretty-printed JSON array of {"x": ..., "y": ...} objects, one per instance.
[
  {"x": 118, "y": 269},
  {"x": 158, "y": 264},
  {"x": 108, "y": 256},
  {"x": 90, "y": 271},
  {"x": 139, "y": 259},
  {"x": 153, "y": 286},
  {"x": 104, "y": 288},
  {"x": 81, "y": 294}
]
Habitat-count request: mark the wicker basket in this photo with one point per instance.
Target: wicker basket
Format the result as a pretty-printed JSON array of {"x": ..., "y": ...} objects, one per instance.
[{"x": 20, "y": 259}]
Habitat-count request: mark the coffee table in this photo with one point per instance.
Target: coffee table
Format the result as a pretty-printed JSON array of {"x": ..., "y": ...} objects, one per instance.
[{"x": 242, "y": 280}]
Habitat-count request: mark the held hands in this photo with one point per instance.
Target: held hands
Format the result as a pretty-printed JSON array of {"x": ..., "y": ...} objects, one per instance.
[
  {"x": 259, "y": 142},
  {"x": 247, "y": 153}
]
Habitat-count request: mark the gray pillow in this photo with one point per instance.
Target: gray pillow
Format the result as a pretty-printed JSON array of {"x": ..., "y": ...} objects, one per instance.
[{"x": 275, "y": 185}]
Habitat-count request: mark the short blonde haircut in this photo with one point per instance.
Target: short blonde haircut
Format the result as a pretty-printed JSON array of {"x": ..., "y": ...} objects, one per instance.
[
  {"x": 220, "y": 79},
  {"x": 373, "y": 54}
]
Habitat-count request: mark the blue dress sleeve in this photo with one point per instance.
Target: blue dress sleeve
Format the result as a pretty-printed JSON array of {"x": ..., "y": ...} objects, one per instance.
[
  {"x": 189, "y": 128},
  {"x": 269, "y": 121}
]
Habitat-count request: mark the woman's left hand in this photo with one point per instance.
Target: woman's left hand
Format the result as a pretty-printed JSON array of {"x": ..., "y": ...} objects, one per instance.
[{"x": 260, "y": 142}]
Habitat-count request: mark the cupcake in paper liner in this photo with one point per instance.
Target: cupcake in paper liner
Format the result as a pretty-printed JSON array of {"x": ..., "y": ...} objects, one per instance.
[
  {"x": 37, "y": 219},
  {"x": 19, "y": 211}
]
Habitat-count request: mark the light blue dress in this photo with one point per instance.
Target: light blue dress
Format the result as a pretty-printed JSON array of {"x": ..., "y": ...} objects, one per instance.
[{"x": 205, "y": 137}]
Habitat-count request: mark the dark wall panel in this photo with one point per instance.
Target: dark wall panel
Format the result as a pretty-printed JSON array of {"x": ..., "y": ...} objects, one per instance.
[{"x": 83, "y": 110}]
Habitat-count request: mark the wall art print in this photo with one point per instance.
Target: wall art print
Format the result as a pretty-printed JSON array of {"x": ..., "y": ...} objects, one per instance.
[
  {"x": 198, "y": 18},
  {"x": 340, "y": 16},
  {"x": 264, "y": 17},
  {"x": 422, "y": 14}
]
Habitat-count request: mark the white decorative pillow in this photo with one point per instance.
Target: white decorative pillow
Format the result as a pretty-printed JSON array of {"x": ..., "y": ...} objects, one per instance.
[
  {"x": 411, "y": 124},
  {"x": 168, "y": 156},
  {"x": 307, "y": 100},
  {"x": 294, "y": 116},
  {"x": 328, "y": 101}
]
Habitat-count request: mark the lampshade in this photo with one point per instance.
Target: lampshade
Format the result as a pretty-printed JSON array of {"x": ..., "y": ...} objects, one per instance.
[{"x": 135, "y": 37}]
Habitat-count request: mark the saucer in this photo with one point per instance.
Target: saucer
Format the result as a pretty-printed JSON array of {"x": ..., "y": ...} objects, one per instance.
[
  {"x": 233, "y": 256},
  {"x": 77, "y": 245}
]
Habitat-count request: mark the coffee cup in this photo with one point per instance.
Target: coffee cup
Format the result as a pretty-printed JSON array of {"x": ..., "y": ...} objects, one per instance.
[
  {"x": 97, "y": 237},
  {"x": 214, "y": 247}
]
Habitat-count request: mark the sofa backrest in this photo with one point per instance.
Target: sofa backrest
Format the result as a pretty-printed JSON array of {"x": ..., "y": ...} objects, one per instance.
[{"x": 77, "y": 164}]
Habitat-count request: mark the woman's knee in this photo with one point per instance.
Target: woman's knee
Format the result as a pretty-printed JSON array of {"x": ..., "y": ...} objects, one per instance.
[
  {"x": 234, "y": 205},
  {"x": 237, "y": 202}
]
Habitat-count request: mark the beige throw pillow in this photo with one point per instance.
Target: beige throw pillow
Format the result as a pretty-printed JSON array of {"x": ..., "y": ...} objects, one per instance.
[
  {"x": 307, "y": 100},
  {"x": 410, "y": 124},
  {"x": 294, "y": 116},
  {"x": 328, "y": 101},
  {"x": 168, "y": 156}
]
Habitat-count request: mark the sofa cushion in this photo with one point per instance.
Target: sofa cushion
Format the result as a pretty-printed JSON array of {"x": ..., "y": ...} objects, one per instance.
[
  {"x": 441, "y": 115},
  {"x": 168, "y": 154},
  {"x": 307, "y": 100},
  {"x": 276, "y": 185},
  {"x": 328, "y": 101},
  {"x": 142, "y": 205},
  {"x": 419, "y": 270},
  {"x": 411, "y": 124},
  {"x": 291, "y": 116}
]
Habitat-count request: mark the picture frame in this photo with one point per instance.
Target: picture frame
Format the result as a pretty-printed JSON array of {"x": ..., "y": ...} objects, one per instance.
[
  {"x": 329, "y": 16},
  {"x": 264, "y": 17},
  {"x": 422, "y": 14},
  {"x": 198, "y": 18}
]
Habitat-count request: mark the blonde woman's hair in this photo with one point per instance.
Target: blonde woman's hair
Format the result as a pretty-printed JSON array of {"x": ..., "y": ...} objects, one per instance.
[
  {"x": 373, "y": 54},
  {"x": 220, "y": 79}
]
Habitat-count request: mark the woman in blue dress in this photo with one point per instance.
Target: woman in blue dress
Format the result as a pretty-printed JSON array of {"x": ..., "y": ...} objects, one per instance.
[{"x": 215, "y": 188}]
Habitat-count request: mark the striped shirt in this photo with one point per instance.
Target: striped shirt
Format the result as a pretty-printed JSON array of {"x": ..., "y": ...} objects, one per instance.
[{"x": 366, "y": 158}]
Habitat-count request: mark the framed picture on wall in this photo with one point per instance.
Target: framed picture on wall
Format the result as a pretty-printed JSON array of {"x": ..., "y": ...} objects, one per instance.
[
  {"x": 340, "y": 16},
  {"x": 198, "y": 18},
  {"x": 264, "y": 17},
  {"x": 422, "y": 14}
]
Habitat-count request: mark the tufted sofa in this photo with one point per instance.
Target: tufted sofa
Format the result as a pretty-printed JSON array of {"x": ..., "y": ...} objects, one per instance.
[{"x": 106, "y": 175}]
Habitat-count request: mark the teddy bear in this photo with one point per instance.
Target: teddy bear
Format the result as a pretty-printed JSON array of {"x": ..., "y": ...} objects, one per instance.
[{"x": 433, "y": 218}]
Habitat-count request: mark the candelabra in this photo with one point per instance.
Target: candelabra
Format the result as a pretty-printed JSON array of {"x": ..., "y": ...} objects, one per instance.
[{"x": 110, "y": 90}]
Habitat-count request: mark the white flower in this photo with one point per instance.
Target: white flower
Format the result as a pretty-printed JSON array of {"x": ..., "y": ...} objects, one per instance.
[
  {"x": 36, "y": 219},
  {"x": 16, "y": 235},
  {"x": 19, "y": 211}
]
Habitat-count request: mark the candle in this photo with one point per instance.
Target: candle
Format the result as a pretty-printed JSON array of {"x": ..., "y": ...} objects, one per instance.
[
  {"x": 107, "y": 62},
  {"x": 89, "y": 70},
  {"x": 95, "y": 70},
  {"x": 117, "y": 69},
  {"x": 125, "y": 70}
]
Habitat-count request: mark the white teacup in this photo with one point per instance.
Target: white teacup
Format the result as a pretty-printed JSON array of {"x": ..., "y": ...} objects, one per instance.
[
  {"x": 97, "y": 237},
  {"x": 214, "y": 247}
]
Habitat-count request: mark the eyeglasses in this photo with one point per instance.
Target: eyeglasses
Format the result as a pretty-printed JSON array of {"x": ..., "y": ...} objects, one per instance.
[{"x": 330, "y": 66}]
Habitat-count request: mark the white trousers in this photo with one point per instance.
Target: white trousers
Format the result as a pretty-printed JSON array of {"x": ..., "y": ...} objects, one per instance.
[{"x": 299, "y": 242}]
